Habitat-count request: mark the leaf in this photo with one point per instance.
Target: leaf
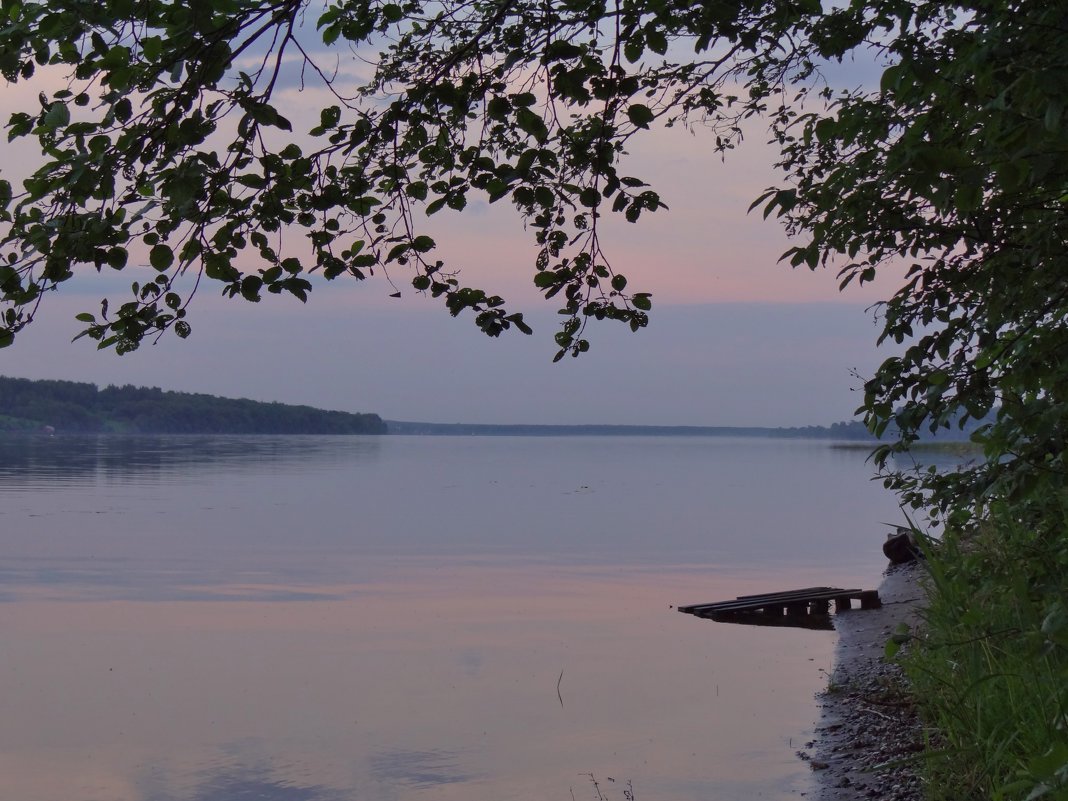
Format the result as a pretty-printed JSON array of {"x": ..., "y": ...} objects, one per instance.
[
  {"x": 161, "y": 257},
  {"x": 640, "y": 115},
  {"x": 518, "y": 322},
  {"x": 218, "y": 267},
  {"x": 363, "y": 206},
  {"x": 116, "y": 258},
  {"x": 657, "y": 41},
  {"x": 531, "y": 123},
  {"x": 57, "y": 116},
  {"x": 498, "y": 107},
  {"x": 1054, "y": 112},
  {"x": 902, "y": 634},
  {"x": 561, "y": 49},
  {"x": 151, "y": 47},
  {"x": 545, "y": 279}
]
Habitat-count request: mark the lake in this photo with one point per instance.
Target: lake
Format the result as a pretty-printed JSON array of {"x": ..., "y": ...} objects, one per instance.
[{"x": 393, "y": 618}]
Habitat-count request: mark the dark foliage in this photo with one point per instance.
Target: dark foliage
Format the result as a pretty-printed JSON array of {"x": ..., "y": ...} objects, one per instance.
[{"x": 71, "y": 407}]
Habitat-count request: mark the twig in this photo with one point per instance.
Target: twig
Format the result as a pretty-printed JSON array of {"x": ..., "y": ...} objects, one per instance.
[{"x": 871, "y": 711}]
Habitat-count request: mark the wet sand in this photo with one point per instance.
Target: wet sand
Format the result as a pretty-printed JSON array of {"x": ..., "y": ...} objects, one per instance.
[{"x": 869, "y": 738}]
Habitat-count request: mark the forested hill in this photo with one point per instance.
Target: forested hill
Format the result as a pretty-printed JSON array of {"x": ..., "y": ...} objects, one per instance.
[{"x": 71, "y": 407}]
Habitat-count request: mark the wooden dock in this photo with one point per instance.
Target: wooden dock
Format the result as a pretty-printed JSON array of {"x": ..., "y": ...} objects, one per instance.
[{"x": 808, "y": 608}]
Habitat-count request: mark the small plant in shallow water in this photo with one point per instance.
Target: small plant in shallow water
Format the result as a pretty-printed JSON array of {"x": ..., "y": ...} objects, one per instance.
[{"x": 601, "y": 794}]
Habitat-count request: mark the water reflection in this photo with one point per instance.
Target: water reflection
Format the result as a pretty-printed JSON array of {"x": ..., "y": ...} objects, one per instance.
[
  {"x": 330, "y": 618},
  {"x": 816, "y": 622},
  {"x": 419, "y": 769},
  {"x": 49, "y": 462},
  {"x": 233, "y": 783},
  {"x": 445, "y": 681},
  {"x": 128, "y": 580}
]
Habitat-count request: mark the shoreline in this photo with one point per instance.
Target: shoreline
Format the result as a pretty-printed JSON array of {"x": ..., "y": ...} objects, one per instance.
[{"x": 869, "y": 738}]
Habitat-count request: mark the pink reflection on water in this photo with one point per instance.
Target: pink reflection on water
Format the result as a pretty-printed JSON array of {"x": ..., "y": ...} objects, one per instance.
[{"x": 440, "y": 680}]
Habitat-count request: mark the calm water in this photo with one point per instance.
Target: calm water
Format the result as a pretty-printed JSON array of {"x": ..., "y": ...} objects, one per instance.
[{"x": 328, "y": 619}]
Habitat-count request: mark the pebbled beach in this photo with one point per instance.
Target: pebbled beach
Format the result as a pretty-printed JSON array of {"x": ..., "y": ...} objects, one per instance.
[{"x": 868, "y": 741}]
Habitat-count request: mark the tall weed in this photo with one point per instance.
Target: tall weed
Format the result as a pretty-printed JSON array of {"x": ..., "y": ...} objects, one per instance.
[{"x": 991, "y": 669}]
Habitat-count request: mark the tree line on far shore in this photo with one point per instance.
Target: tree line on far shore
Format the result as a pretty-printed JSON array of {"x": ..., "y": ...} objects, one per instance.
[{"x": 73, "y": 407}]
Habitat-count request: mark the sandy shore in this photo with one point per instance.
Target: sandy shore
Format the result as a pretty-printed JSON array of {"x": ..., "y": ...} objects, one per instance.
[{"x": 868, "y": 738}]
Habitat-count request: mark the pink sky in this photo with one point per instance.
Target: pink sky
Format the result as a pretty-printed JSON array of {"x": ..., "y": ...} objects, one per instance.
[{"x": 736, "y": 339}]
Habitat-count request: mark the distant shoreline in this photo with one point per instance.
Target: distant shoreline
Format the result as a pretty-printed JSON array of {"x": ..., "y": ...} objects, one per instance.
[
  {"x": 854, "y": 432},
  {"x": 66, "y": 407}
]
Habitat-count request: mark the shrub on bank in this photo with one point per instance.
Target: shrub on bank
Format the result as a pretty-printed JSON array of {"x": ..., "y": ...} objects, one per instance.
[{"x": 991, "y": 668}]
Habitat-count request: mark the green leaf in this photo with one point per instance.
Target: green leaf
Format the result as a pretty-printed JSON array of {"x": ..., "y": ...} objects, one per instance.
[
  {"x": 250, "y": 288},
  {"x": 641, "y": 301},
  {"x": 1054, "y": 112},
  {"x": 544, "y": 279},
  {"x": 561, "y": 49},
  {"x": 363, "y": 206},
  {"x": 531, "y": 123},
  {"x": 116, "y": 258},
  {"x": 57, "y": 116},
  {"x": 151, "y": 47},
  {"x": 218, "y": 267},
  {"x": 640, "y": 115},
  {"x": 161, "y": 257},
  {"x": 518, "y": 321},
  {"x": 657, "y": 41}
]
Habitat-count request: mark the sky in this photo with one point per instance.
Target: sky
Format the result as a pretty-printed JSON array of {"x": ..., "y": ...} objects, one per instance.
[{"x": 736, "y": 338}]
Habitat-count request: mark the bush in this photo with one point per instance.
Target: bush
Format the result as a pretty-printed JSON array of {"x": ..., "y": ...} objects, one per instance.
[{"x": 991, "y": 672}]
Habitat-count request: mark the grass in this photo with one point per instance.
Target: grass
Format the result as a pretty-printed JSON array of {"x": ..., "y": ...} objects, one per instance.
[{"x": 991, "y": 668}]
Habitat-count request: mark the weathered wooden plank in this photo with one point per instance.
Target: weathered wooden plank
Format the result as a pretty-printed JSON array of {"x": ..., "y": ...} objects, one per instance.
[
  {"x": 793, "y": 607},
  {"x": 785, "y": 593},
  {"x": 869, "y": 599},
  {"x": 752, "y": 603}
]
